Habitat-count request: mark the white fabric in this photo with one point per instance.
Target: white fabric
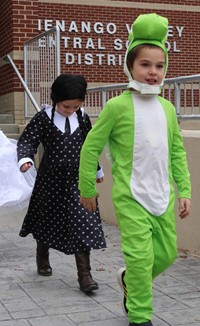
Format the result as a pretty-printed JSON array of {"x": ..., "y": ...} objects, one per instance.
[
  {"x": 149, "y": 180},
  {"x": 144, "y": 88},
  {"x": 15, "y": 187}
]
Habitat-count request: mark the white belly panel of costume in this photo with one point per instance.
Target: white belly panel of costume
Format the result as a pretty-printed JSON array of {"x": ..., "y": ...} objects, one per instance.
[{"x": 149, "y": 180}]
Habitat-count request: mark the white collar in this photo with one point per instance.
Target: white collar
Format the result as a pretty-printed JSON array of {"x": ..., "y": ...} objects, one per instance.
[{"x": 144, "y": 88}]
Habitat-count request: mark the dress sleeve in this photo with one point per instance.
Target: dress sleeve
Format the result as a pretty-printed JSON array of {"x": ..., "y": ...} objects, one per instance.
[
  {"x": 179, "y": 163},
  {"x": 30, "y": 138},
  {"x": 92, "y": 149}
]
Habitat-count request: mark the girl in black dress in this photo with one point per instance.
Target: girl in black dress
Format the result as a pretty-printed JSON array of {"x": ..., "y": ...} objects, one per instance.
[{"x": 55, "y": 216}]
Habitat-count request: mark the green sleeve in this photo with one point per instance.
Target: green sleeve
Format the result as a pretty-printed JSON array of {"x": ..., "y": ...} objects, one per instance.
[
  {"x": 179, "y": 163},
  {"x": 92, "y": 149}
]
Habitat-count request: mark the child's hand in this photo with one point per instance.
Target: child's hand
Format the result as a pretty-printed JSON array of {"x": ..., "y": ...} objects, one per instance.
[
  {"x": 184, "y": 207},
  {"x": 99, "y": 180},
  {"x": 25, "y": 166},
  {"x": 89, "y": 203}
]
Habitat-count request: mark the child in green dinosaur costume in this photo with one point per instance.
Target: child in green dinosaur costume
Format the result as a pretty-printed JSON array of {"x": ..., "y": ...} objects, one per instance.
[{"x": 148, "y": 155}]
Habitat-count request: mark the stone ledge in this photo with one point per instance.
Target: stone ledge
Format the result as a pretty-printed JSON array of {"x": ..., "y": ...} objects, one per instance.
[{"x": 191, "y": 133}]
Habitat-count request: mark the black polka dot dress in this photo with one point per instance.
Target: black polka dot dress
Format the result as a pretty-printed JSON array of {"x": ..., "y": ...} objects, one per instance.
[{"x": 55, "y": 216}]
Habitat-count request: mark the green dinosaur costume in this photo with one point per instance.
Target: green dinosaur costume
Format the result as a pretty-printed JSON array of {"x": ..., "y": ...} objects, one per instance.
[{"x": 148, "y": 155}]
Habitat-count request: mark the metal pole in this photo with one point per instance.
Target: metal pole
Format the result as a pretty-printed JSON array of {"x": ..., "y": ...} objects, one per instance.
[
  {"x": 177, "y": 98},
  {"x": 23, "y": 83},
  {"x": 58, "y": 50}
]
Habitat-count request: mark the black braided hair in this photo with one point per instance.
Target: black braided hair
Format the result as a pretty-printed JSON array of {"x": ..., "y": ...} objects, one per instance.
[
  {"x": 67, "y": 87},
  {"x": 82, "y": 124},
  {"x": 53, "y": 113}
]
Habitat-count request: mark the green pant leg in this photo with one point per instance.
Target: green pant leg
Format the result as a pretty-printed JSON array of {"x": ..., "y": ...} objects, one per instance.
[
  {"x": 137, "y": 247},
  {"x": 149, "y": 247},
  {"x": 164, "y": 240}
]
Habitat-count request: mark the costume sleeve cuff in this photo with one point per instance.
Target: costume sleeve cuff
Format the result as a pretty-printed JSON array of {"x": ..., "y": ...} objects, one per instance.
[
  {"x": 25, "y": 160},
  {"x": 100, "y": 172}
]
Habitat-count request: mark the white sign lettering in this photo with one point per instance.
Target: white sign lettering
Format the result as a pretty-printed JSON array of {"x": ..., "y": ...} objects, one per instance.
[{"x": 91, "y": 43}]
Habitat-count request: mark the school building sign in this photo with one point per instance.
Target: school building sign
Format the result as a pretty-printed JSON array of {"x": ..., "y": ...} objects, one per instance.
[{"x": 93, "y": 39}]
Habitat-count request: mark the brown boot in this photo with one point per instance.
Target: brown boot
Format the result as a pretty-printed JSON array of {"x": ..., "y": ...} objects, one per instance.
[
  {"x": 86, "y": 282},
  {"x": 42, "y": 260}
]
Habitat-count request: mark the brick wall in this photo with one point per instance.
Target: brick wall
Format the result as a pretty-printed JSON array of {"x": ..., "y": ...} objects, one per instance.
[
  {"x": 6, "y": 34},
  {"x": 180, "y": 63},
  {"x": 180, "y": 2},
  {"x": 19, "y": 22}
]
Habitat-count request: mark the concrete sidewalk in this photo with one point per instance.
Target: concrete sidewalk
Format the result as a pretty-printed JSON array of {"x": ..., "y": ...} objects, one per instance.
[{"x": 29, "y": 299}]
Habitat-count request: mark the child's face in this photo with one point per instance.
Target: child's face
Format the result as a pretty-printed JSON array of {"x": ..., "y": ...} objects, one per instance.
[
  {"x": 149, "y": 66},
  {"x": 68, "y": 107}
]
